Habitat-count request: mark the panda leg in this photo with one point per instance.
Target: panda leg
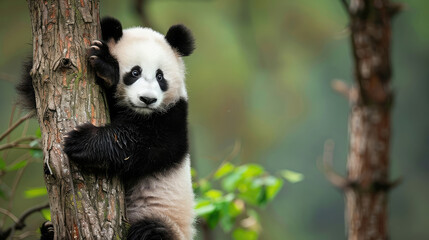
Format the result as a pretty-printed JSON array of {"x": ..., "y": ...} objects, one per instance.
[
  {"x": 150, "y": 229},
  {"x": 47, "y": 231}
]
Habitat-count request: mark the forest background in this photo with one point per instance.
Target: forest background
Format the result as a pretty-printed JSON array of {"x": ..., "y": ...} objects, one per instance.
[{"x": 261, "y": 79}]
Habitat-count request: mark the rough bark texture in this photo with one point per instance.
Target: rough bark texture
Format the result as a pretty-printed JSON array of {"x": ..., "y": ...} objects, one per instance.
[
  {"x": 369, "y": 123},
  {"x": 82, "y": 206}
]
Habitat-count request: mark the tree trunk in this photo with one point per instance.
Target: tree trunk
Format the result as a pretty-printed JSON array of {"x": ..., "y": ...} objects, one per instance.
[
  {"x": 369, "y": 122},
  {"x": 83, "y": 206}
]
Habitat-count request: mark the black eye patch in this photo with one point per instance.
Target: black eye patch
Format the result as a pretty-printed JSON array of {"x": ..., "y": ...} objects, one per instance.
[
  {"x": 132, "y": 76},
  {"x": 161, "y": 80}
]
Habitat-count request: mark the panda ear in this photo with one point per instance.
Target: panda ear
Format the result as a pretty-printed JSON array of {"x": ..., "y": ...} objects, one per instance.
[
  {"x": 180, "y": 38},
  {"x": 111, "y": 28}
]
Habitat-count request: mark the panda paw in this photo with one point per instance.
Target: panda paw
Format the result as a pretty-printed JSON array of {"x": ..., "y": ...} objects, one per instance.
[
  {"x": 105, "y": 65},
  {"x": 47, "y": 231},
  {"x": 77, "y": 143}
]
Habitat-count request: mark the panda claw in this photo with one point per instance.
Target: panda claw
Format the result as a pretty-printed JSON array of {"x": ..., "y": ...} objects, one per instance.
[
  {"x": 96, "y": 42},
  {"x": 94, "y": 47},
  {"x": 92, "y": 58}
]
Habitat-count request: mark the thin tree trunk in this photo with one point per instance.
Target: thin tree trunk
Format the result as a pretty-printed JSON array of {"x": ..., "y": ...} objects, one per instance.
[
  {"x": 83, "y": 206},
  {"x": 369, "y": 121}
]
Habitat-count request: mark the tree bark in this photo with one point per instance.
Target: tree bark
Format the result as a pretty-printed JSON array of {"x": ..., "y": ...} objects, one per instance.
[
  {"x": 369, "y": 121},
  {"x": 83, "y": 206}
]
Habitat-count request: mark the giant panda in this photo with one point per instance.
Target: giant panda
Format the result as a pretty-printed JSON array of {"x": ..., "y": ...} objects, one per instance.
[{"x": 146, "y": 143}]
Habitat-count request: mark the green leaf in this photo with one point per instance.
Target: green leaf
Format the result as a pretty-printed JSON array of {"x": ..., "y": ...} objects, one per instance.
[
  {"x": 273, "y": 186},
  {"x": 243, "y": 234},
  {"x": 230, "y": 182},
  {"x": 46, "y": 213},
  {"x": 17, "y": 165},
  {"x": 241, "y": 175},
  {"x": 235, "y": 208},
  {"x": 204, "y": 207},
  {"x": 229, "y": 197},
  {"x": 35, "y": 192},
  {"x": 34, "y": 143},
  {"x": 205, "y": 210},
  {"x": 213, "y": 194},
  {"x": 36, "y": 153},
  {"x": 2, "y": 164},
  {"x": 38, "y": 133},
  {"x": 224, "y": 170},
  {"x": 253, "y": 194},
  {"x": 227, "y": 222},
  {"x": 251, "y": 170},
  {"x": 292, "y": 176},
  {"x": 229, "y": 212},
  {"x": 213, "y": 219}
]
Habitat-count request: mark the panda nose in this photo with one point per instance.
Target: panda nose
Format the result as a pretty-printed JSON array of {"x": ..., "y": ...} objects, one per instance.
[{"x": 148, "y": 100}]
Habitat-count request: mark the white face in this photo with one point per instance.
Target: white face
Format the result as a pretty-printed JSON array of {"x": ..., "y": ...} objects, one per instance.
[{"x": 151, "y": 73}]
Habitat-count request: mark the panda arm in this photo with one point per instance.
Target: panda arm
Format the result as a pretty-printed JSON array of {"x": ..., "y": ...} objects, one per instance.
[{"x": 105, "y": 147}]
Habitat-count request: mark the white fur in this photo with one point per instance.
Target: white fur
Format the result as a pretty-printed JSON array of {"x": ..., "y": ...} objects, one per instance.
[
  {"x": 167, "y": 196},
  {"x": 145, "y": 87},
  {"x": 148, "y": 49}
]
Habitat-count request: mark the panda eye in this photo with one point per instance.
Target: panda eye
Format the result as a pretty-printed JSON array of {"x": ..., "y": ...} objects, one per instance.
[
  {"x": 159, "y": 76},
  {"x": 135, "y": 73}
]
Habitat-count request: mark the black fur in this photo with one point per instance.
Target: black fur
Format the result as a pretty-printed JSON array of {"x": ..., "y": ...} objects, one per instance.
[
  {"x": 162, "y": 82},
  {"x": 47, "y": 231},
  {"x": 132, "y": 145},
  {"x": 180, "y": 38},
  {"x": 110, "y": 28},
  {"x": 149, "y": 230},
  {"x": 129, "y": 78},
  {"x": 106, "y": 66},
  {"x": 27, "y": 97}
]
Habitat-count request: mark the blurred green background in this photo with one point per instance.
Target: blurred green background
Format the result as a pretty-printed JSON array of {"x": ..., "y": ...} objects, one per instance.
[{"x": 261, "y": 76}]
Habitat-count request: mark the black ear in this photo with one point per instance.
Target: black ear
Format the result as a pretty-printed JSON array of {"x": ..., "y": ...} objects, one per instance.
[
  {"x": 180, "y": 38},
  {"x": 111, "y": 28}
]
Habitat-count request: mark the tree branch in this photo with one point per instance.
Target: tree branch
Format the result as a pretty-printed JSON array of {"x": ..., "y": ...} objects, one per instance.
[
  {"x": 341, "y": 87},
  {"x": 20, "y": 223},
  {"x": 16, "y": 144},
  {"x": 327, "y": 166},
  {"x": 9, "y": 214},
  {"x": 16, "y": 124}
]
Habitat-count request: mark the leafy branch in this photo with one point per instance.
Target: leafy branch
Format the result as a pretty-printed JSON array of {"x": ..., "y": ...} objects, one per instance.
[
  {"x": 16, "y": 167},
  {"x": 242, "y": 189}
]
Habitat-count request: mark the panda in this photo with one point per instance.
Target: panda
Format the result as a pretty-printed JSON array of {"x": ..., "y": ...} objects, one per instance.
[{"x": 146, "y": 143}]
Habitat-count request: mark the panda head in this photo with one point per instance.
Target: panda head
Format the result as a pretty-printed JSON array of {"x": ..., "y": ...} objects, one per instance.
[{"x": 151, "y": 68}]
